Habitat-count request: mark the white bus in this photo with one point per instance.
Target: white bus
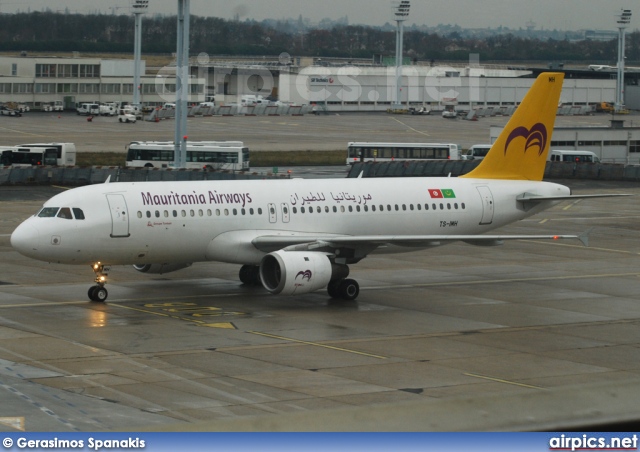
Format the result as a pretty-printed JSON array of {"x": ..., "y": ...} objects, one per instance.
[
  {"x": 384, "y": 152},
  {"x": 50, "y": 154},
  {"x": 20, "y": 156},
  {"x": 212, "y": 155}
]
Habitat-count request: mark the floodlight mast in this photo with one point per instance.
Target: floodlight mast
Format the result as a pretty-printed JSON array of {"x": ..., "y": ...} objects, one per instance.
[
  {"x": 624, "y": 18},
  {"x": 401, "y": 11},
  {"x": 182, "y": 84},
  {"x": 139, "y": 7}
]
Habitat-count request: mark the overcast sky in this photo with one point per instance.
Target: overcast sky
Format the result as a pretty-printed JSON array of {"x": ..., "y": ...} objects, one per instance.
[{"x": 547, "y": 14}]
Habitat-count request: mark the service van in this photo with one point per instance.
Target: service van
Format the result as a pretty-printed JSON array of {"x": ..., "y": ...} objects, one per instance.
[
  {"x": 561, "y": 155},
  {"x": 476, "y": 152},
  {"x": 88, "y": 109}
]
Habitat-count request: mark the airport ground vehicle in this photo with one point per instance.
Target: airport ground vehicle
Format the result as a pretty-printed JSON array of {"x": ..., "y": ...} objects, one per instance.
[
  {"x": 419, "y": 111},
  {"x": 213, "y": 155},
  {"x": 6, "y": 111},
  {"x": 476, "y": 152},
  {"x": 88, "y": 109},
  {"x": 28, "y": 156},
  {"x": 382, "y": 152},
  {"x": 559, "y": 155},
  {"x": 65, "y": 153},
  {"x": 108, "y": 109},
  {"x": 126, "y": 115},
  {"x": 55, "y": 106}
]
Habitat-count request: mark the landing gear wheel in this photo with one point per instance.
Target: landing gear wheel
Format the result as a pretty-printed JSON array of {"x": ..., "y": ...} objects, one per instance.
[
  {"x": 98, "y": 293},
  {"x": 348, "y": 289},
  {"x": 250, "y": 275},
  {"x": 333, "y": 289}
]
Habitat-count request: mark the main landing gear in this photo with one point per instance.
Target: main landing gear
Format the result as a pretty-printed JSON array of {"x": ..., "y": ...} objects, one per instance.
[
  {"x": 345, "y": 289},
  {"x": 98, "y": 292}
]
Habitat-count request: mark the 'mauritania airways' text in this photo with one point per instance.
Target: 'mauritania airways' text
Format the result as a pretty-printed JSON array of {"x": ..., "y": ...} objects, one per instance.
[{"x": 179, "y": 199}]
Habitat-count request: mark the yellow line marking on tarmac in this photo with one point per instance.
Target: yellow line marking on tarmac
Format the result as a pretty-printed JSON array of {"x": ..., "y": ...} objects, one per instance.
[
  {"x": 21, "y": 133},
  {"x": 316, "y": 344},
  {"x": 410, "y": 128},
  {"x": 499, "y": 380},
  {"x": 610, "y": 250}
]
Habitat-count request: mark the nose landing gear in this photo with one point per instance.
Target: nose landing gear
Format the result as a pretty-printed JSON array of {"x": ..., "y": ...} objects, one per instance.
[{"x": 98, "y": 292}]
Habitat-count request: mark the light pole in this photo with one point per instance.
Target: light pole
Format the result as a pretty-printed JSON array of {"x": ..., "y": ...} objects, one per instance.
[
  {"x": 623, "y": 20},
  {"x": 139, "y": 7},
  {"x": 401, "y": 11},
  {"x": 182, "y": 84}
]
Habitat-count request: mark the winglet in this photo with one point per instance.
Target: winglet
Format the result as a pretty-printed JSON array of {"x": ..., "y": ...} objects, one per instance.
[{"x": 520, "y": 152}]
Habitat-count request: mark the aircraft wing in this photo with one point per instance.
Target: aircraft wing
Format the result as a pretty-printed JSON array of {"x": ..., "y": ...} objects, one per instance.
[
  {"x": 367, "y": 243},
  {"x": 527, "y": 197}
]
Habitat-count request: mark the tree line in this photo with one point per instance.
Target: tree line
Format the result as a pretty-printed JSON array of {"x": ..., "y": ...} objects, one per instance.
[{"x": 56, "y": 32}]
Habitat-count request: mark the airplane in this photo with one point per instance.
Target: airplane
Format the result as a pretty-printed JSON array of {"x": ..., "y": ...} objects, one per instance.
[{"x": 297, "y": 236}]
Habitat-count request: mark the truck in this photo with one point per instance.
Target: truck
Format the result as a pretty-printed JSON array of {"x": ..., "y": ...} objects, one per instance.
[{"x": 53, "y": 106}]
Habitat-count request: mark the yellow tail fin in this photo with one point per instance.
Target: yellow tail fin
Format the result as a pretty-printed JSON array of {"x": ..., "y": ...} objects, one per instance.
[{"x": 520, "y": 152}]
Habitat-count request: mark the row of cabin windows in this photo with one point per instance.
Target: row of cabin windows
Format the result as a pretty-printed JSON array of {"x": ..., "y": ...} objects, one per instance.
[
  {"x": 295, "y": 210},
  {"x": 382, "y": 208},
  {"x": 200, "y": 213}
]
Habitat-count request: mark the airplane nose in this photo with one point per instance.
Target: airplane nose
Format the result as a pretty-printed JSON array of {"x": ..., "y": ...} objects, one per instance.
[{"x": 25, "y": 239}]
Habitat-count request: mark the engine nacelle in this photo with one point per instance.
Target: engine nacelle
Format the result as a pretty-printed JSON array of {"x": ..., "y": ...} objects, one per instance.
[
  {"x": 160, "y": 268},
  {"x": 298, "y": 272}
]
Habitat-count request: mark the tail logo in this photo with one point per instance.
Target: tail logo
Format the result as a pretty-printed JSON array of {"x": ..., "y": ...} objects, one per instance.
[
  {"x": 536, "y": 136},
  {"x": 305, "y": 275}
]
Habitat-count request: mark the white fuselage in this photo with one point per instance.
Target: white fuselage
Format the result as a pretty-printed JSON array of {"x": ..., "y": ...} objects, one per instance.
[{"x": 160, "y": 222}]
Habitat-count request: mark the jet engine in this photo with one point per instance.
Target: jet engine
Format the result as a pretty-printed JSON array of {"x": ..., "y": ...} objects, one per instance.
[
  {"x": 298, "y": 272},
  {"x": 160, "y": 268}
]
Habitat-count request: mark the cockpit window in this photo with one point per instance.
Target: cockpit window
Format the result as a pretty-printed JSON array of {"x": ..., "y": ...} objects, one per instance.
[
  {"x": 65, "y": 213},
  {"x": 78, "y": 213},
  {"x": 48, "y": 212}
]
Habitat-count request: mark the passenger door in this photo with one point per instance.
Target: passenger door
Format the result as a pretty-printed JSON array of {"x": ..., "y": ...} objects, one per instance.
[{"x": 119, "y": 216}]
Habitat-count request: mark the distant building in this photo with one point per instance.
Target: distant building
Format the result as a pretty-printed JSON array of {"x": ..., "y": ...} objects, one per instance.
[{"x": 38, "y": 80}]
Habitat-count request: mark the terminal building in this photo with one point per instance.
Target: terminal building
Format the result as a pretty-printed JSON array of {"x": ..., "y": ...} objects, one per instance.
[{"x": 332, "y": 85}]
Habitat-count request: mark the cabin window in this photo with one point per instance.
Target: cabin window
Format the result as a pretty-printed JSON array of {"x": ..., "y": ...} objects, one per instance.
[
  {"x": 157, "y": 214},
  {"x": 183, "y": 213},
  {"x": 397, "y": 207},
  {"x": 139, "y": 214},
  {"x": 419, "y": 206},
  {"x": 175, "y": 214},
  {"x": 350, "y": 208},
  {"x": 217, "y": 212},
  {"x": 335, "y": 209},
  {"x": 358, "y": 208},
  {"x": 434, "y": 206},
  {"x": 235, "y": 212},
  {"x": 251, "y": 211},
  {"x": 448, "y": 206},
  {"x": 319, "y": 209},
  {"x": 326, "y": 209},
  {"x": 166, "y": 214},
  {"x": 295, "y": 210},
  {"x": 208, "y": 212},
  {"x": 302, "y": 210},
  {"x": 259, "y": 210},
  {"x": 373, "y": 208},
  {"x": 148, "y": 214},
  {"x": 200, "y": 213},
  {"x": 455, "y": 206},
  {"x": 342, "y": 209},
  {"x": 192, "y": 213},
  {"x": 463, "y": 206},
  {"x": 366, "y": 208},
  {"x": 244, "y": 212},
  {"x": 226, "y": 212},
  {"x": 441, "y": 206}
]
